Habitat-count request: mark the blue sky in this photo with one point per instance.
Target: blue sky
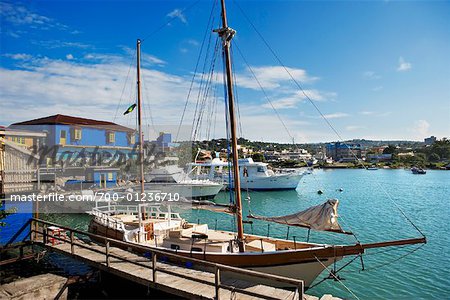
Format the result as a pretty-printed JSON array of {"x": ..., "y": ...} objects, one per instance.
[{"x": 376, "y": 69}]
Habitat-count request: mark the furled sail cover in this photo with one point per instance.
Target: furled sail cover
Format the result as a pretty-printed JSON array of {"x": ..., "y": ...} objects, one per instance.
[
  {"x": 322, "y": 217},
  {"x": 211, "y": 206}
]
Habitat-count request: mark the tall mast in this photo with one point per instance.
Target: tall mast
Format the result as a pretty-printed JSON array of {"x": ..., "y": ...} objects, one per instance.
[
  {"x": 141, "y": 136},
  {"x": 227, "y": 34}
]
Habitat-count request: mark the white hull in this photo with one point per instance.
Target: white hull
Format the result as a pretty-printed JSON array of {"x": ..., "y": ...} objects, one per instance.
[
  {"x": 187, "y": 190},
  {"x": 275, "y": 182},
  {"x": 307, "y": 272}
]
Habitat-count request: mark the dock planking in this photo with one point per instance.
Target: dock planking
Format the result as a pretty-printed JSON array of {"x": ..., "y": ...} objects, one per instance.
[{"x": 189, "y": 283}]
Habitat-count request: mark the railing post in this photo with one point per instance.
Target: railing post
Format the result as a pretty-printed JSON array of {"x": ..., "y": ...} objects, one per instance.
[
  {"x": 72, "y": 246},
  {"x": 154, "y": 266},
  {"x": 300, "y": 290},
  {"x": 32, "y": 233},
  {"x": 217, "y": 281},
  {"x": 107, "y": 253},
  {"x": 44, "y": 233}
]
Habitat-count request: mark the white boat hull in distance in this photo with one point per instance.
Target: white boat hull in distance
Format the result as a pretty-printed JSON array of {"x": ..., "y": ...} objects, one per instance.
[
  {"x": 189, "y": 190},
  {"x": 274, "y": 182}
]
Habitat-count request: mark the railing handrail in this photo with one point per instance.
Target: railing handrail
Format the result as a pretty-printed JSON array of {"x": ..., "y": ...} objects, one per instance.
[{"x": 291, "y": 281}]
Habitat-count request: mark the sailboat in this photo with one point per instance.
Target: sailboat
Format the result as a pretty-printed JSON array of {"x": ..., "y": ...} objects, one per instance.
[{"x": 158, "y": 227}]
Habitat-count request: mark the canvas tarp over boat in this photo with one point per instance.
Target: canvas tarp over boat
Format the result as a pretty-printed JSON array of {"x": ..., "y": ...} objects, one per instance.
[{"x": 323, "y": 217}]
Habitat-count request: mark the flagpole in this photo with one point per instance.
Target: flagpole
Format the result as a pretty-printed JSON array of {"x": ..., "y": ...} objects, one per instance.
[{"x": 141, "y": 136}]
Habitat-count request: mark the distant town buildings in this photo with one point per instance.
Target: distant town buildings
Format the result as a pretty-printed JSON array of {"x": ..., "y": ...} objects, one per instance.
[
  {"x": 344, "y": 152},
  {"x": 285, "y": 155},
  {"x": 379, "y": 157},
  {"x": 430, "y": 140}
]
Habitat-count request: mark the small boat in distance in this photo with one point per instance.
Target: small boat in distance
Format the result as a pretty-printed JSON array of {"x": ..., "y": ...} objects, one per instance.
[
  {"x": 372, "y": 168},
  {"x": 417, "y": 170}
]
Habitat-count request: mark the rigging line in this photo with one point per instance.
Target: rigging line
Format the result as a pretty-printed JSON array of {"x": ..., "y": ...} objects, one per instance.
[
  {"x": 262, "y": 89},
  {"x": 208, "y": 48},
  {"x": 211, "y": 108},
  {"x": 216, "y": 106},
  {"x": 236, "y": 92},
  {"x": 124, "y": 85},
  {"x": 169, "y": 21},
  {"x": 207, "y": 87},
  {"x": 196, "y": 68},
  {"x": 147, "y": 103},
  {"x": 321, "y": 114},
  {"x": 379, "y": 266},
  {"x": 337, "y": 278}
]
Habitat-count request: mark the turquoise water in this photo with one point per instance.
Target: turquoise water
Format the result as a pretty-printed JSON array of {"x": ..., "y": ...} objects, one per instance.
[{"x": 367, "y": 210}]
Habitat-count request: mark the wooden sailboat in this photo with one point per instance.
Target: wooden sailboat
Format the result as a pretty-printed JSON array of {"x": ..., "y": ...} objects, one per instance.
[{"x": 153, "y": 226}]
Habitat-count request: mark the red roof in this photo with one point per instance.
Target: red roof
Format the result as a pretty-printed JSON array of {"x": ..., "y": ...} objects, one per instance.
[{"x": 69, "y": 120}]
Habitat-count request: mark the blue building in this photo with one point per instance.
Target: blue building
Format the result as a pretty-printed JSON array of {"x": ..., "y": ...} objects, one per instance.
[
  {"x": 164, "y": 139},
  {"x": 344, "y": 152},
  {"x": 79, "y": 141}
]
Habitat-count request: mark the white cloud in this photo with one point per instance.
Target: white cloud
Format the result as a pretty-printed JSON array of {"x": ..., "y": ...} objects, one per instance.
[
  {"x": 193, "y": 42},
  {"x": 354, "y": 127},
  {"x": 19, "y": 15},
  {"x": 374, "y": 113},
  {"x": 91, "y": 87},
  {"x": 69, "y": 56},
  {"x": 292, "y": 100},
  {"x": 336, "y": 115},
  {"x": 403, "y": 65},
  {"x": 55, "y": 44},
  {"x": 272, "y": 77},
  {"x": 48, "y": 86},
  {"x": 366, "y": 113},
  {"x": 18, "y": 56},
  {"x": 421, "y": 128},
  {"x": 371, "y": 75},
  {"x": 146, "y": 59},
  {"x": 377, "y": 88},
  {"x": 178, "y": 13}
]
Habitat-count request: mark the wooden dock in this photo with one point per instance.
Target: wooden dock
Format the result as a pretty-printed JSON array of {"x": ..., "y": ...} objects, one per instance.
[{"x": 188, "y": 278}]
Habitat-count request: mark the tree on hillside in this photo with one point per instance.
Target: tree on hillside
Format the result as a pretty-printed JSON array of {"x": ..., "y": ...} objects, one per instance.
[
  {"x": 258, "y": 157},
  {"x": 390, "y": 150}
]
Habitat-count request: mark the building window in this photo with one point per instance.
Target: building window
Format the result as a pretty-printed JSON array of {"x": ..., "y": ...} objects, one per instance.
[
  {"x": 62, "y": 137},
  {"x": 110, "y": 137},
  {"x": 110, "y": 176},
  {"x": 76, "y": 134},
  {"x": 131, "y": 138}
]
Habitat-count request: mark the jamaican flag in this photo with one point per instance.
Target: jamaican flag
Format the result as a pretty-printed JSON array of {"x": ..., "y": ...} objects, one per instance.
[{"x": 130, "y": 109}]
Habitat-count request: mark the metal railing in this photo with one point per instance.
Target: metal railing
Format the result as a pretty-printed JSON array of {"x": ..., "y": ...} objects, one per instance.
[{"x": 40, "y": 227}]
